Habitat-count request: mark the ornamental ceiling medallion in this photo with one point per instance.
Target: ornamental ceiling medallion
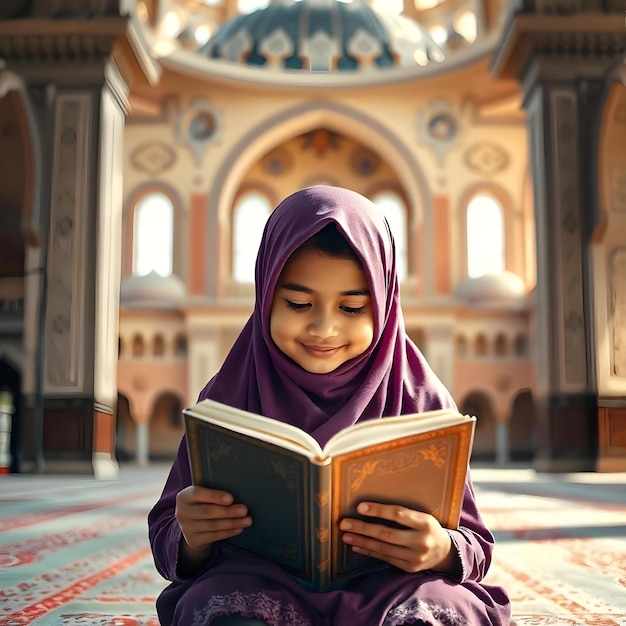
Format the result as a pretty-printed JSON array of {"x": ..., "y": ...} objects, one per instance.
[
  {"x": 438, "y": 127},
  {"x": 197, "y": 126}
]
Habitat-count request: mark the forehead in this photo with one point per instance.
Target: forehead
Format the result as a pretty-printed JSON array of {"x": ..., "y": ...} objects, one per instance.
[{"x": 311, "y": 268}]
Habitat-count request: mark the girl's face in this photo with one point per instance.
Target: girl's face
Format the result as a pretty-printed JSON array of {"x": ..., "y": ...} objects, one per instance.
[{"x": 321, "y": 312}]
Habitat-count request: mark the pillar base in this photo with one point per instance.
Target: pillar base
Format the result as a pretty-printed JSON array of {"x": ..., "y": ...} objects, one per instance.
[
  {"x": 612, "y": 426},
  {"x": 568, "y": 433},
  {"x": 78, "y": 438}
]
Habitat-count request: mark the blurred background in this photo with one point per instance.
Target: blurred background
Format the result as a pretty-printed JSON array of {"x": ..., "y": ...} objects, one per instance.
[{"x": 143, "y": 145}]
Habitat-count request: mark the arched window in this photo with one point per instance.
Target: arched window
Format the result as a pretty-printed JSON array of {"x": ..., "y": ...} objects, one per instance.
[
  {"x": 180, "y": 346},
  {"x": 153, "y": 232},
  {"x": 395, "y": 211},
  {"x": 485, "y": 236},
  {"x": 460, "y": 345},
  {"x": 251, "y": 213},
  {"x": 480, "y": 345},
  {"x": 138, "y": 345},
  {"x": 501, "y": 345},
  {"x": 158, "y": 346},
  {"x": 521, "y": 346}
]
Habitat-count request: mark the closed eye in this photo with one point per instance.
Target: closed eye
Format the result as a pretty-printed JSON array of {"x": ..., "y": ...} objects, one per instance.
[
  {"x": 296, "y": 306},
  {"x": 353, "y": 310}
]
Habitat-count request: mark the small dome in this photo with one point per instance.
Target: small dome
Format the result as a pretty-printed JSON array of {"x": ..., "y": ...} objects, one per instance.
[
  {"x": 322, "y": 36},
  {"x": 504, "y": 290},
  {"x": 152, "y": 291}
]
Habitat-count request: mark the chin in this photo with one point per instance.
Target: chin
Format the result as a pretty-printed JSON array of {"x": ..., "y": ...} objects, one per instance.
[{"x": 319, "y": 368}]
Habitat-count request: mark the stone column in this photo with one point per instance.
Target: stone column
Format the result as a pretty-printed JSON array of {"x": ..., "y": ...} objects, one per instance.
[
  {"x": 78, "y": 71},
  {"x": 439, "y": 350},
  {"x": 203, "y": 356},
  {"x": 561, "y": 54}
]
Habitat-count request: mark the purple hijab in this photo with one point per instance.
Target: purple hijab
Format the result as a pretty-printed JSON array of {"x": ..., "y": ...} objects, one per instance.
[{"x": 390, "y": 378}]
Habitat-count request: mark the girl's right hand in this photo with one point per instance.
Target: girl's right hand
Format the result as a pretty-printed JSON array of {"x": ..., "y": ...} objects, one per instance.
[{"x": 208, "y": 515}]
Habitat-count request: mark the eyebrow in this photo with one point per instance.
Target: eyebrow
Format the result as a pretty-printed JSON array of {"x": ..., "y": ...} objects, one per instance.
[{"x": 303, "y": 289}]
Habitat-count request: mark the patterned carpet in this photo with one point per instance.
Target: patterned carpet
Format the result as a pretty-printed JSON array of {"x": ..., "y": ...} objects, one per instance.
[{"x": 74, "y": 550}]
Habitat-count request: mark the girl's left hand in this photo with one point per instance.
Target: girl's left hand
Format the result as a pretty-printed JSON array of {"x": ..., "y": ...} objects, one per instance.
[{"x": 423, "y": 544}]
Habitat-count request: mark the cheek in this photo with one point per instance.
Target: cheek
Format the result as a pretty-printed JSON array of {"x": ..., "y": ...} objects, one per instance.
[
  {"x": 367, "y": 332},
  {"x": 274, "y": 324},
  {"x": 281, "y": 325}
]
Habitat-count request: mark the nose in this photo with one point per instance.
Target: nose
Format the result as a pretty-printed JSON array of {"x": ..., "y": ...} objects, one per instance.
[{"x": 324, "y": 324}]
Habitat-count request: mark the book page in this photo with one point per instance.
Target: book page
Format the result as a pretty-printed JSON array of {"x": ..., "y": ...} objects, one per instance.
[
  {"x": 376, "y": 431},
  {"x": 264, "y": 428}
]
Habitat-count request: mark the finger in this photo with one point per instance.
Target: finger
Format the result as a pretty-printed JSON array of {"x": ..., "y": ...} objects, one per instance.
[
  {"x": 198, "y": 494},
  {"x": 395, "y": 513},
  {"x": 379, "y": 532},
  {"x": 216, "y": 511},
  {"x": 200, "y": 540},
  {"x": 198, "y": 534},
  {"x": 218, "y": 524},
  {"x": 379, "y": 547}
]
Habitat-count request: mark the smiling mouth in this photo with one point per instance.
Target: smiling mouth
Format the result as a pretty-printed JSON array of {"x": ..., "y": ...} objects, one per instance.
[{"x": 322, "y": 351}]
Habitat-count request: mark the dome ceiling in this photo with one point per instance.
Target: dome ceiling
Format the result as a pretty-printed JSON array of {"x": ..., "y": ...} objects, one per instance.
[
  {"x": 322, "y": 36},
  {"x": 319, "y": 41}
]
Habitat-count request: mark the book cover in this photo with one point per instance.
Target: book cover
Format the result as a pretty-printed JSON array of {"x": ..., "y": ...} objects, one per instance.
[{"x": 297, "y": 497}]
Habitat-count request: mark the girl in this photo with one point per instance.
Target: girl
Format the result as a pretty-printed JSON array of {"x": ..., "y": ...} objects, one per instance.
[{"x": 324, "y": 348}]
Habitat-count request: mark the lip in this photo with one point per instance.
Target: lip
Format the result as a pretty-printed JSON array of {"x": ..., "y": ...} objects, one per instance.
[{"x": 322, "y": 352}]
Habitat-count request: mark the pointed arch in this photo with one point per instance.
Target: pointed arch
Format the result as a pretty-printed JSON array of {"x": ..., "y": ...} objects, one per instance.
[
  {"x": 12, "y": 86},
  {"x": 300, "y": 119}
]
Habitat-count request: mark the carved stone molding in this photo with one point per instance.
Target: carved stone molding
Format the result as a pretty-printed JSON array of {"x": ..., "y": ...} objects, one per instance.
[
  {"x": 596, "y": 35},
  {"x": 565, "y": 7},
  {"x": 589, "y": 43},
  {"x": 64, "y": 368},
  {"x": 75, "y": 8},
  {"x": 568, "y": 231},
  {"x": 55, "y": 48}
]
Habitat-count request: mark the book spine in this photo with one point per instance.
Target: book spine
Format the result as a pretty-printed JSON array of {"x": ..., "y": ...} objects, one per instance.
[{"x": 320, "y": 525}]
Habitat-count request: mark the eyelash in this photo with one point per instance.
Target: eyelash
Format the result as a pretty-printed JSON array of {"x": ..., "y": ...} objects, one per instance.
[{"x": 295, "y": 306}]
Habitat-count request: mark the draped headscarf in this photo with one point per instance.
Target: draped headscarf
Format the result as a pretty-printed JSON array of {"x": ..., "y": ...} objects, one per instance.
[{"x": 391, "y": 377}]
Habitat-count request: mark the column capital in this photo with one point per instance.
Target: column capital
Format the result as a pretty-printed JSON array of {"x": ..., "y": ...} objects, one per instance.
[
  {"x": 582, "y": 43},
  {"x": 41, "y": 44}
]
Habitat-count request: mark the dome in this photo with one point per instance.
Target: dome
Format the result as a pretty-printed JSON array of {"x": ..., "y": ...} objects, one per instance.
[
  {"x": 504, "y": 290},
  {"x": 322, "y": 36},
  {"x": 152, "y": 291}
]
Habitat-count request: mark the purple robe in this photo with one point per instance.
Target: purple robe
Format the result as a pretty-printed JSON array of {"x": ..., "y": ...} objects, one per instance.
[{"x": 390, "y": 378}]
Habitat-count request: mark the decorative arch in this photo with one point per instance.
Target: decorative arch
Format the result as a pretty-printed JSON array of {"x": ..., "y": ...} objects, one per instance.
[
  {"x": 461, "y": 349},
  {"x": 12, "y": 86},
  {"x": 180, "y": 227},
  {"x": 481, "y": 345},
  {"x": 158, "y": 346},
  {"x": 166, "y": 425},
  {"x": 298, "y": 120},
  {"x": 394, "y": 204},
  {"x": 479, "y": 403},
  {"x": 501, "y": 345},
  {"x": 512, "y": 260},
  {"x": 522, "y": 426},
  {"x": 253, "y": 205},
  {"x": 138, "y": 346}
]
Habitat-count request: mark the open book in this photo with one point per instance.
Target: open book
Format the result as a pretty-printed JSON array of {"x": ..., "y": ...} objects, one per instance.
[{"x": 297, "y": 492}]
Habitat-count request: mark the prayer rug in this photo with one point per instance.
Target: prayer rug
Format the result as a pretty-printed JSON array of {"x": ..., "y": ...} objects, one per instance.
[{"x": 74, "y": 551}]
